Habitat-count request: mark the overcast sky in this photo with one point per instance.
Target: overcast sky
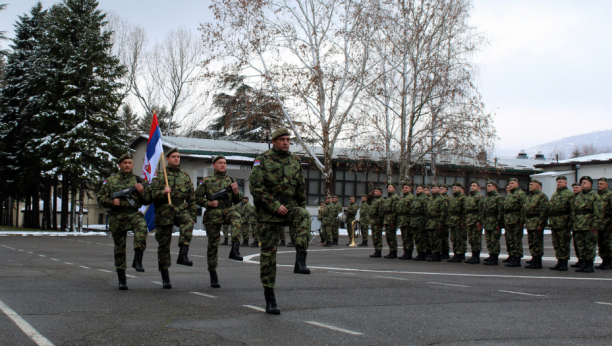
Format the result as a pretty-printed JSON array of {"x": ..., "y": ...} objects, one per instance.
[{"x": 545, "y": 72}]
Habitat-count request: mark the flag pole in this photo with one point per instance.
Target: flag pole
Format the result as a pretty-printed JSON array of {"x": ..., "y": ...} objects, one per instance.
[{"x": 165, "y": 174}]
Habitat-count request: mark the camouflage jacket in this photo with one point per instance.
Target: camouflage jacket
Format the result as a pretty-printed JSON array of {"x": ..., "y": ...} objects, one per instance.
[
  {"x": 587, "y": 211},
  {"x": 560, "y": 208},
  {"x": 376, "y": 206},
  {"x": 183, "y": 197},
  {"x": 277, "y": 179},
  {"x": 390, "y": 209},
  {"x": 116, "y": 183},
  {"x": 606, "y": 200},
  {"x": 513, "y": 206},
  {"x": 364, "y": 213},
  {"x": 320, "y": 213},
  {"x": 247, "y": 213},
  {"x": 351, "y": 211},
  {"x": 328, "y": 215},
  {"x": 437, "y": 211},
  {"x": 492, "y": 211},
  {"x": 210, "y": 185},
  {"x": 403, "y": 210},
  {"x": 473, "y": 208},
  {"x": 337, "y": 207},
  {"x": 456, "y": 209},
  {"x": 535, "y": 210},
  {"x": 418, "y": 211}
]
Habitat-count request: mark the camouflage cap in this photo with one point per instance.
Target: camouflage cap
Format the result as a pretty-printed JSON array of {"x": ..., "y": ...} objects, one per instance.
[
  {"x": 458, "y": 184},
  {"x": 586, "y": 177},
  {"x": 124, "y": 157},
  {"x": 561, "y": 177},
  {"x": 513, "y": 179},
  {"x": 391, "y": 184},
  {"x": 604, "y": 179},
  {"x": 366, "y": 196},
  {"x": 406, "y": 183},
  {"x": 491, "y": 182},
  {"x": 280, "y": 132},
  {"x": 444, "y": 186},
  {"x": 427, "y": 187},
  {"x": 435, "y": 185},
  {"x": 171, "y": 151},
  {"x": 535, "y": 181},
  {"x": 336, "y": 197},
  {"x": 218, "y": 157},
  {"x": 328, "y": 197},
  {"x": 474, "y": 181},
  {"x": 353, "y": 197},
  {"x": 576, "y": 184},
  {"x": 245, "y": 197},
  {"x": 378, "y": 188}
]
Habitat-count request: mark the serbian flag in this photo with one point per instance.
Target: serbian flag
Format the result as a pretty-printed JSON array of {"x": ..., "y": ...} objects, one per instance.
[{"x": 154, "y": 152}]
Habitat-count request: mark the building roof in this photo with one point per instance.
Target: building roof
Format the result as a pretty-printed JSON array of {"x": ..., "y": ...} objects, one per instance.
[{"x": 589, "y": 160}]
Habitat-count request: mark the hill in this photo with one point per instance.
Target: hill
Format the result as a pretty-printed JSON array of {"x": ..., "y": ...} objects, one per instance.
[{"x": 587, "y": 144}]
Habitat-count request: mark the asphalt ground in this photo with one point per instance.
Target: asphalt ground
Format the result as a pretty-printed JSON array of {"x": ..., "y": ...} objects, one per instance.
[{"x": 63, "y": 291}]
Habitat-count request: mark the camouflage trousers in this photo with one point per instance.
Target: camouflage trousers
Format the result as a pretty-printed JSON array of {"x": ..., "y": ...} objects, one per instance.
[
  {"x": 213, "y": 233},
  {"x": 575, "y": 245},
  {"x": 407, "y": 238},
  {"x": 299, "y": 219},
  {"x": 474, "y": 237},
  {"x": 514, "y": 240},
  {"x": 458, "y": 237},
  {"x": 364, "y": 227},
  {"x": 587, "y": 242},
  {"x": 335, "y": 229},
  {"x": 435, "y": 240},
  {"x": 326, "y": 232},
  {"x": 492, "y": 238},
  {"x": 421, "y": 239},
  {"x": 245, "y": 226},
  {"x": 377, "y": 236},
  {"x": 391, "y": 235},
  {"x": 445, "y": 239},
  {"x": 561, "y": 239},
  {"x": 163, "y": 235},
  {"x": 536, "y": 242},
  {"x": 604, "y": 240},
  {"x": 119, "y": 224},
  {"x": 182, "y": 220},
  {"x": 225, "y": 231}
]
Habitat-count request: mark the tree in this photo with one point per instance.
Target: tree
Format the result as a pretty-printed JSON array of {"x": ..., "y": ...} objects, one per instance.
[
  {"x": 129, "y": 122},
  {"x": 3, "y": 34},
  {"x": 163, "y": 119},
  {"x": 576, "y": 153}
]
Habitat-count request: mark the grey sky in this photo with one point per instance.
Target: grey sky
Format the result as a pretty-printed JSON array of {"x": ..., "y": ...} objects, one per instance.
[{"x": 545, "y": 72}]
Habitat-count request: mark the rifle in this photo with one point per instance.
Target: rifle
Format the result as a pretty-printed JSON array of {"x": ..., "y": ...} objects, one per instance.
[
  {"x": 127, "y": 193},
  {"x": 223, "y": 194}
]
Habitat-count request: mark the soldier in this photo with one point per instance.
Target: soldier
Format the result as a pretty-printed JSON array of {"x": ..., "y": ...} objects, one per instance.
[
  {"x": 279, "y": 193},
  {"x": 247, "y": 212},
  {"x": 226, "y": 233},
  {"x": 403, "y": 220},
  {"x": 427, "y": 190},
  {"x": 535, "y": 216},
  {"x": 456, "y": 221},
  {"x": 576, "y": 189},
  {"x": 364, "y": 220},
  {"x": 604, "y": 236},
  {"x": 376, "y": 216},
  {"x": 513, "y": 208},
  {"x": 437, "y": 212},
  {"x": 327, "y": 222},
  {"x": 446, "y": 232},
  {"x": 337, "y": 207},
  {"x": 351, "y": 211},
  {"x": 182, "y": 212},
  {"x": 124, "y": 216},
  {"x": 320, "y": 218},
  {"x": 390, "y": 220},
  {"x": 560, "y": 208},
  {"x": 474, "y": 221},
  {"x": 493, "y": 217},
  {"x": 418, "y": 222},
  {"x": 587, "y": 217}
]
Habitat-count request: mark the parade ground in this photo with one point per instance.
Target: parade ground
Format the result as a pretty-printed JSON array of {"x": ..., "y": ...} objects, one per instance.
[{"x": 63, "y": 291}]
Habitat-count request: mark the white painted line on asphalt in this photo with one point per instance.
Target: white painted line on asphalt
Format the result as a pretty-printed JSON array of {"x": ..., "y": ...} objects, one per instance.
[
  {"x": 525, "y": 294},
  {"x": 197, "y": 256},
  {"x": 390, "y": 277},
  {"x": 157, "y": 282},
  {"x": 67, "y": 262},
  {"x": 174, "y": 253},
  {"x": 333, "y": 328},
  {"x": 84, "y": 267},
  {"x": 342, "y": 273},
  {"x": 53, "y": 259},
  {"x": 42, "y": 255},
  {"x": 104, "y": 270},
  {"x": 603, "y": 303},
  {"x": 131, "y": 276},
  {"x": 25, "y": 326},
  {"x": 203, "y": 294},
  {"x": 440, "y": 283},
  {"x": 19, "y": 250},
  {"x": 255, "y": 308},
  {"x": 31, "y": 253}
]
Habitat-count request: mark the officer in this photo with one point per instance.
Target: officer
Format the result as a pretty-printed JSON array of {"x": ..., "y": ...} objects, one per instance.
[
  {"x": 446, "y": 231},
  {"x": 364, "y": 220},
  {"x": 279, "y": 195},
  {"x": 218, "y": 213},
  {"x": 337, "y": 209},
  {"x": 474, "y": 221},
  {"x": 418, "y": 222},
  {"x": 247, "y": 212},
  {"x": 576, "y": 189},
  {"x": 124, "y": 216},
  {"x": 390, "y": 220},
  {"x": 456, "y": 222},
  {"x": 513, "y": 209},
  {"x": 437, "y": 212},
  {"x": 560, "y": 208},
  {"x": 587, "y": 217},
  {"x": 376, "y": 216},
  {"x": 351, "y": 211},
  {"x": 493, "y": 217},
  {"x": 535, "y": 215},
  {"x": 403, "y": 220},
  {"x": 182, "y": 212},
  {"x": 327, "y": 222},
  {"x": 604, "y": 236}
]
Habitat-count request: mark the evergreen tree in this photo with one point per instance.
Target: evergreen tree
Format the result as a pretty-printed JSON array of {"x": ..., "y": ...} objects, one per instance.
[
  {"x": 129, "y": 122},
  {"x": 163, "y": 119}
]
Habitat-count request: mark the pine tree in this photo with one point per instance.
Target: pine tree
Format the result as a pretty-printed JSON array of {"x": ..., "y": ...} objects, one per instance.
[{"x": 129, "y": 122}]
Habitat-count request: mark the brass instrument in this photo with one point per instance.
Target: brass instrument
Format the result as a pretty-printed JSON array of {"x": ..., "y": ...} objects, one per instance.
[{"x": 356, "y": 232}]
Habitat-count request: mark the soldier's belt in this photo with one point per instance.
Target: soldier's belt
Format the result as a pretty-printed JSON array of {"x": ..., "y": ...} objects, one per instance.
[
  {"x": 123, "y": 211},
  {"x": 583, "y": 212},
  {"x": 418, "y": 215},
  {"x": 470, "y": 212}
]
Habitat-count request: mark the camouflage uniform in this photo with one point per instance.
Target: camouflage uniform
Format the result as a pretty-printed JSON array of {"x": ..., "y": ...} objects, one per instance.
[
  {"x": 247, "y": 213},
  {"x": 327, "y": 221},
  {"x": 337, "y": 207},
  {"x": 364, "y": 220},
  {"x": 437, "y": 213},
  {"x": 604, "y": 235},
  {"x": 587, "y": 214},
  {"x": 513, "y": 209},
  {"x": 125, "y": 216},
  {"x": 403, "y": 221},
  {"x": 351, "y": 211},
  {"x": 493, "y": 218},
  {"x": 559, "y": 219},
  {"x": 418, "y": 222},
  {"x": 456, "y": 222},
  {"x": 376, "y": 217},
  {"x": 277, "y": 179},
  {"x": 473, "y": 216},
  {"x": 216, "y": 217},
  {"x": 181, "y": 213},
  {"x": 446, "y": 231},
  {"x": 535, "y": 214},
  {"x": 390, "y": 220}
]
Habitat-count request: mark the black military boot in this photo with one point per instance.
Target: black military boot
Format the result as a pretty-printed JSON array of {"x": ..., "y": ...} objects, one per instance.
[
  {"x": 327, "y": 244},
  {"x": 376, "y": 254},
  {"x": 556, "y": 266},
  {"x": 225, "y": 242},
  {"x": 493, "y": 261},
  {"x": 122, "y": 280},
  {"x": 335, "y": 241},
  {"x": 392, "y": 254},
  {"x": 529, "y": 262},
  {"x": 420, "y": 256},
  {"x": 462, "y": 257},
  {"x": 291, "y": 243},
  {"x": 214, "y": 280},
  {"x": 182, "y": 257},
  {"x": 406, "y": 256},
  {"x": 300, "y": 262},
  {"x": 588, "y": 267},
  {"x": 605, "y": 264},
  {"x": 563, "y": 266},
  {"x": 486, "y": 260},
  {"x": 428, "y": 254},
  {"x": 255, "y": 244},
  {"x": 455, "y": 259},
  {"x": 271, "y": 307},
  {"x": 235, "y": 251},
  {"x": 137, "y": 262},
  {"x": 166, "y": 278},
  {"x": 509, "y": 259},
  {"x": 445, "y": 255},
  {"x": 282, "y": 243},
  {"x": 536, "y": 263},
  {"x": 245, "y": 242},
  {"x": 469, "y": 260},
  {"x": 364, "y": 243},
  {"x": 516, "y": 262},
  {"x": 475, "y": 258},
  {"x": 578, "y": 264},
  {"x": 435, "y": 257}
]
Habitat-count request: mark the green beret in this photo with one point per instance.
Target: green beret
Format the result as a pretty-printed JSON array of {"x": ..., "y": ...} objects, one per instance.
[
  {"x": 378, "y": 188},
  {"x": 245, "y": 197},
  {"x": 426, "y": 187},
  {"x": 173, "y": 150},
  {"x": 458, "y": 184},
  {"x": 435, "y": 185},
  {"x": 513, "y": 179},
  {"x": 353, "y": 197},
  {"x": 561, "y": 177},
  {"x": 586, "y": 177},
  {"x": 444, "y": 186},
  {"x": 474, "y": 181},
  {"x": 391, "y": 184},
  {"x": 535, "y": 181},
  {"x": 576, "y": 184},
  {"x": 125, "y": 157},
  {"x": 328, "y": 197},
  {"x": 603, "y": 179},
  {"x": 218, "y": 157},
  {"x": 280, "y": 132},
  {"x": 491, "y": 182},
  {"x": 407, "y": 183}
]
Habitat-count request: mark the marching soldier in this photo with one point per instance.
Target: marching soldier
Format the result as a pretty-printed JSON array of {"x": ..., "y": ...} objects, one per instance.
[
  {"x": 576, "y": 189},
  {"x": 337, "y": 207},
  {"x": 390, "y": 220},
  {"x": 279, "y": 193},
  {"x": 513, "y": 209},
  {"x": 493, "y": 217},
  {"x": 182, "y": 212},
  {"x": 218, "y": 213},
  {"x": 376, "y": 216},
  {"x": 351, "y": 211},
  {"x": 456, "y": 221},
  {"x": 226, "y": 234},
  {"x": 587, "y": 217},
  {"x": 604, "y": 236},
  {"x": 473, "y": 221},
  {"x": 418, "y": 222},
  {"x": 403, "y": 221},
  {"x": 124, "y": 216},
  {"x": 247, "y": 212},
  {"x": 364, "y": 220},
  {"x": 559, "y": 219},
  {"x": 327, "y": 222},
  {"x": 535, "y": 215},
  {"x": 437, "y": 211},
  {"x": 446, "y": 232}
]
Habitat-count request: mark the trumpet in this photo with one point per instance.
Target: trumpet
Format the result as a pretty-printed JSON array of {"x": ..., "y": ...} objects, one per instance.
[{"x": 356, "y": 225}]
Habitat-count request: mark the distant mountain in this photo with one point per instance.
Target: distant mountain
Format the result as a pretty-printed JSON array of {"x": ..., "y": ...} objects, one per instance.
[{"x": 599, "y": 142}]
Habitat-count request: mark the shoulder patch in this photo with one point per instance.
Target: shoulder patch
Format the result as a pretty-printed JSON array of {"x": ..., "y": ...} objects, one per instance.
[
  {"x": 257, "y": 163},
  {"x": 104, "y": 182},
  {"x": 201, "y": 182}
]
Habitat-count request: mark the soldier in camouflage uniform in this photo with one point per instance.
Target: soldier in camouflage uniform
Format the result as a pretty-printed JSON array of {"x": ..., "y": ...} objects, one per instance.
[
  {"x": 587, "y": 217},
  {"x": 418, "y": 222},
  {"x": 513, "y": 209},
  {"x": 437, "y": 213},
  {"x": 427, "y": 190},
  {"x": 535, "y": 216},
  {"x": 226, "y": 234},
  {"x": 446, "y": 233},
  {"x": 351, "y": 212},
  {"x": 390, "y": 220},
  {"x": 218, "y": 213},
  {"x": 473, "y": 221},
  {"x": 182, "y": 212},
  {"x": 337, "y": 207},
  {"x": 279, "y": 195},
  {"x": 560, "y": 207},
  {"x": 364, "y": 220},
  {"x": 493, "y": 217},
  {"x": 327, "y": 221},
  {"x": 456, "y": 222},
  {"x": 246, "y": 212},
  {"x": 124, "y": 216},
  {"x": 403, "y": 221},
  {"x": 376, "y": 216},
  {"x": 576, "y": 189},
  {"x": 320, "y": 218},
  {"x": 604, "y": 236}
]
